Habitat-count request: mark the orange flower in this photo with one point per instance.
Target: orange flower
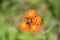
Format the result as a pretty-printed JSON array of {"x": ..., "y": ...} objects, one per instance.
[
  {"x": 34, "y": 27},
  {"x": 31, "y": 21},
  {"x": 23, "y": 26},
  {"x": 36, "y": 19},
  {"x": 30, "y": 13}
]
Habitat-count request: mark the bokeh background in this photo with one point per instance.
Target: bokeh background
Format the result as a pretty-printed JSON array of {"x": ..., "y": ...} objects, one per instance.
[{"x": 12, "y": 11}]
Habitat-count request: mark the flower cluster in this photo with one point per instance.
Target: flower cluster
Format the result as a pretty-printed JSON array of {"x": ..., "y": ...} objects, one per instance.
[{"x": 31, "y": 21}]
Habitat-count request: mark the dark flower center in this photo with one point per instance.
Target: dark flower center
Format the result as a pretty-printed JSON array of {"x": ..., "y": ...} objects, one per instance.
[{"x": 29, "y": 21}]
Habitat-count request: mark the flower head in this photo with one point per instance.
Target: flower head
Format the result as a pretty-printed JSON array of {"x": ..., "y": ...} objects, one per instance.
[
  {"x": 34, "y": 27},
  {"x": 23, "y": 26},
  {"x": 36, "y": 19},
  {"x": 30, "y": 13},
  {"x": 31, "y": 21}
]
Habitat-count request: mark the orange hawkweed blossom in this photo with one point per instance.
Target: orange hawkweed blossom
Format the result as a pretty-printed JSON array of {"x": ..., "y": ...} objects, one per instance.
[
  {"x": 30, "y": 13},
  {"x": 36, "y": 19},
  {"x": 31, "y": 21},
  {"x": 34, "y": 27},
  {"x": 23, "y": 26}
]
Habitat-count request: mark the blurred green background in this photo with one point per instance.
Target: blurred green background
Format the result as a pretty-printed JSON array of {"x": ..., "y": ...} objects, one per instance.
[{"x": 12, "y": 11}]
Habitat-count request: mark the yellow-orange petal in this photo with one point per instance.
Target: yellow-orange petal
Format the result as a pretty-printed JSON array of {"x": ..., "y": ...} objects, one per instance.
[
  {"x": 30, "y": 13},
  {"x": 23, "y": 26}
]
